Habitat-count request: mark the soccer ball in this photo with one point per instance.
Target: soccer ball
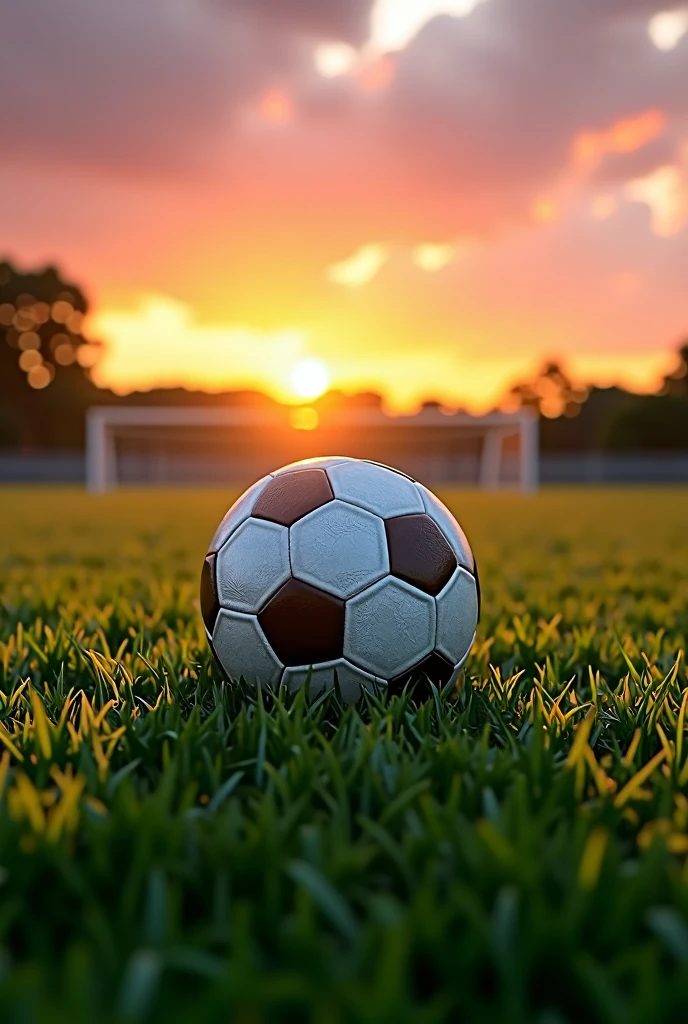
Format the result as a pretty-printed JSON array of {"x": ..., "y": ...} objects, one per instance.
[{"x": 338, "y": 567}]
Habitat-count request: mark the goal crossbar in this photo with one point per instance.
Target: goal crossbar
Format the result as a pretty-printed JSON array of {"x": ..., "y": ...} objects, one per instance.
[{"x": 105, "y": 424}]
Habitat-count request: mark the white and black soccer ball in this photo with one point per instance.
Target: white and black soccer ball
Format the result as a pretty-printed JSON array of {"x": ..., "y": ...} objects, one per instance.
[{"x": 340, "y": 566}]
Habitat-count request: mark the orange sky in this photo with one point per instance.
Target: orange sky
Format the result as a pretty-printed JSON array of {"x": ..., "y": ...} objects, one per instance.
[{"x": 382, "y": 187}]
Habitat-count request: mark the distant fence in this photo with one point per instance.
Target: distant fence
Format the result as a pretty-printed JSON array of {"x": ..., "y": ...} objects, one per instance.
[
  {"x": 43, "y": 468},
  {"x": 632, "y": 468},
  {"x": 69, "y": 468}
]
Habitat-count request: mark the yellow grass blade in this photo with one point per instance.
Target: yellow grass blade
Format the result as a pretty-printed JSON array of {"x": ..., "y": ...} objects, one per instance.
[
  {"x": 580, "y": 740},
  {"x": 591, "y": 860},
  {"x": 680, "y": 725},
  {"x": 630, "y": 753},
  {"x": 4, "y": 769},
  {"x": 65, "y": 814},
  {"x": 27, "y": 802},
  {"x": 634, "y": 784},
  {"x": 5, "y": 738},
  {"x": 604, "y": 784},
  {"x": 41, "y": 725}
]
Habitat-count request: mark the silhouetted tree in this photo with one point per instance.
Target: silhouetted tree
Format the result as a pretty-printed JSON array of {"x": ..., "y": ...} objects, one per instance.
[
  {"x": 651, "y": 422},
  {"x": 45, "y": 359},
  {"x": 336, "y": 401},
  {"x": 575, "y": 419},
  {"x": 589, "y": 430},
  {"x": 676, "y": 382},
  {"x": 551, "y": 392},
  {"x": 655, "y": 422}
]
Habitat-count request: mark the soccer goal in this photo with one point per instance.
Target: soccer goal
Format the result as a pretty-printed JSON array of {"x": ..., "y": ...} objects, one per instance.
[{"x": 141, "y": 445}]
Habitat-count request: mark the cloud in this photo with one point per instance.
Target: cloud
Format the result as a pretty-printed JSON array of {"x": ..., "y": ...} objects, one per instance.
[
  {"x": 132, "y": 87},
  {"x": 617, "y": 168},
  {"x": 191, "y": 147},
  {"x": 473, "y": 129},
  {"x": 433, "y": 257},
  {"x": 475, "y": 121},
  {"x": 460, "y": 132},
  {"x": 344, "y": 21},
  {"x": 360, "y": 268},
  {"x": 667, "y": 28},
  {"x": 665, "y": 192},
  {"x": 120, "y": 87},
  {"x": 150, "y": 345},
  {"x": 627, "y": 135}
]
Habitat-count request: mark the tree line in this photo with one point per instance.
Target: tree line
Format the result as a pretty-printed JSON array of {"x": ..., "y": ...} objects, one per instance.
[{"x": 46, "y": 387}]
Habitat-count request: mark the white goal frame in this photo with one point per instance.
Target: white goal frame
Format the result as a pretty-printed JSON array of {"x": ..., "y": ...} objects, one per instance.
[{"x": 103, "y": 423}]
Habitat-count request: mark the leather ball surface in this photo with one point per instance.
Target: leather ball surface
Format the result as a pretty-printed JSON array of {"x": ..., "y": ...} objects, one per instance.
[{"x": 338, "y": 567}]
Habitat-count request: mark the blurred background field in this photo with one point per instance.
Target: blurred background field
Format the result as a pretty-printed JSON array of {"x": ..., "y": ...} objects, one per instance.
[
  {"x": 603, "y": 558},
  {"x": 169, "y": 847},
  {"x": 612, "y": 558}
]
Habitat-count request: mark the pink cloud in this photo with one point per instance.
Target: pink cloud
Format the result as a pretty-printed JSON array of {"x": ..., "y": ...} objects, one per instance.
[{"x": 194, "y": 150}]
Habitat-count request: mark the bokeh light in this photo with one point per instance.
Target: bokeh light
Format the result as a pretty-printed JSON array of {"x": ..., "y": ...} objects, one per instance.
[
  {"x": 276, "y": 106},
  {"x": 7, "y": 312},
  {"x": 40, "y": 376},
  {"x": 62, "y": 311},
  {"x": 29, "y": 340},
  {"x": 334, "y": 59},
  {"x": 24, "y": 319},
  {"x": 65, "y": 355},
  {"x": 75, "y": 322},
  {"x": 87, "y": 355},
  {"x": 30, "y": 359},
  {"x": 304, "y": 418},
  {"x": 41, "y": 312}
]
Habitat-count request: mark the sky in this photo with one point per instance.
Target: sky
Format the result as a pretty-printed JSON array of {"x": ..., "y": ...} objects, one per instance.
[{"x": 428, "y": 199}]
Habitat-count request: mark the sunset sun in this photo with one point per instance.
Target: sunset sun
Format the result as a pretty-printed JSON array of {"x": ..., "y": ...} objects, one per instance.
[{"x": 309, "y": 378}]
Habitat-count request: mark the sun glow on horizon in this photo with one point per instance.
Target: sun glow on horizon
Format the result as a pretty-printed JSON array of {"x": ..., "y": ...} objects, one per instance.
[
  {"x": 162, "y": 342},
  {"x": 309, "y": 378}
]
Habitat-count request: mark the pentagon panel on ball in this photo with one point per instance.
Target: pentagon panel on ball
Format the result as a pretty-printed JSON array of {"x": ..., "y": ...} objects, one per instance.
[
  {"x": 242, "y": 649},
  {"x": 457, "y": 616},
  {"x": 340, "y": 548},
  {"x": 303, "y": 624},
  {"x": 289, "y": 496},
  {"x": 390, "y": 627},
  {"x": 441, "y": 515},
  {"x": 376, "y": 488},
  {"x": 252, "y": 565},
  {"x": 419, "y": 552}
]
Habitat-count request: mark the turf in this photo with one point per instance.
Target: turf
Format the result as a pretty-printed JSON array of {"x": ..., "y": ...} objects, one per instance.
[{"x": 174, "y": 849}]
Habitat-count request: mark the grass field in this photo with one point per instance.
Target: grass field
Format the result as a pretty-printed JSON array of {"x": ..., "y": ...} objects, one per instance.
[{"x": 173, "y": 850}]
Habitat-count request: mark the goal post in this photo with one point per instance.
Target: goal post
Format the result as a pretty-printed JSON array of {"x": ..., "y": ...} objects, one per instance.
[{"x": 177, "y": 444}]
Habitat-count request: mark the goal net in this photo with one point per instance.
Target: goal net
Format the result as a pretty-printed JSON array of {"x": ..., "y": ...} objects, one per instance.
[{"x": 171, "y": 445}]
